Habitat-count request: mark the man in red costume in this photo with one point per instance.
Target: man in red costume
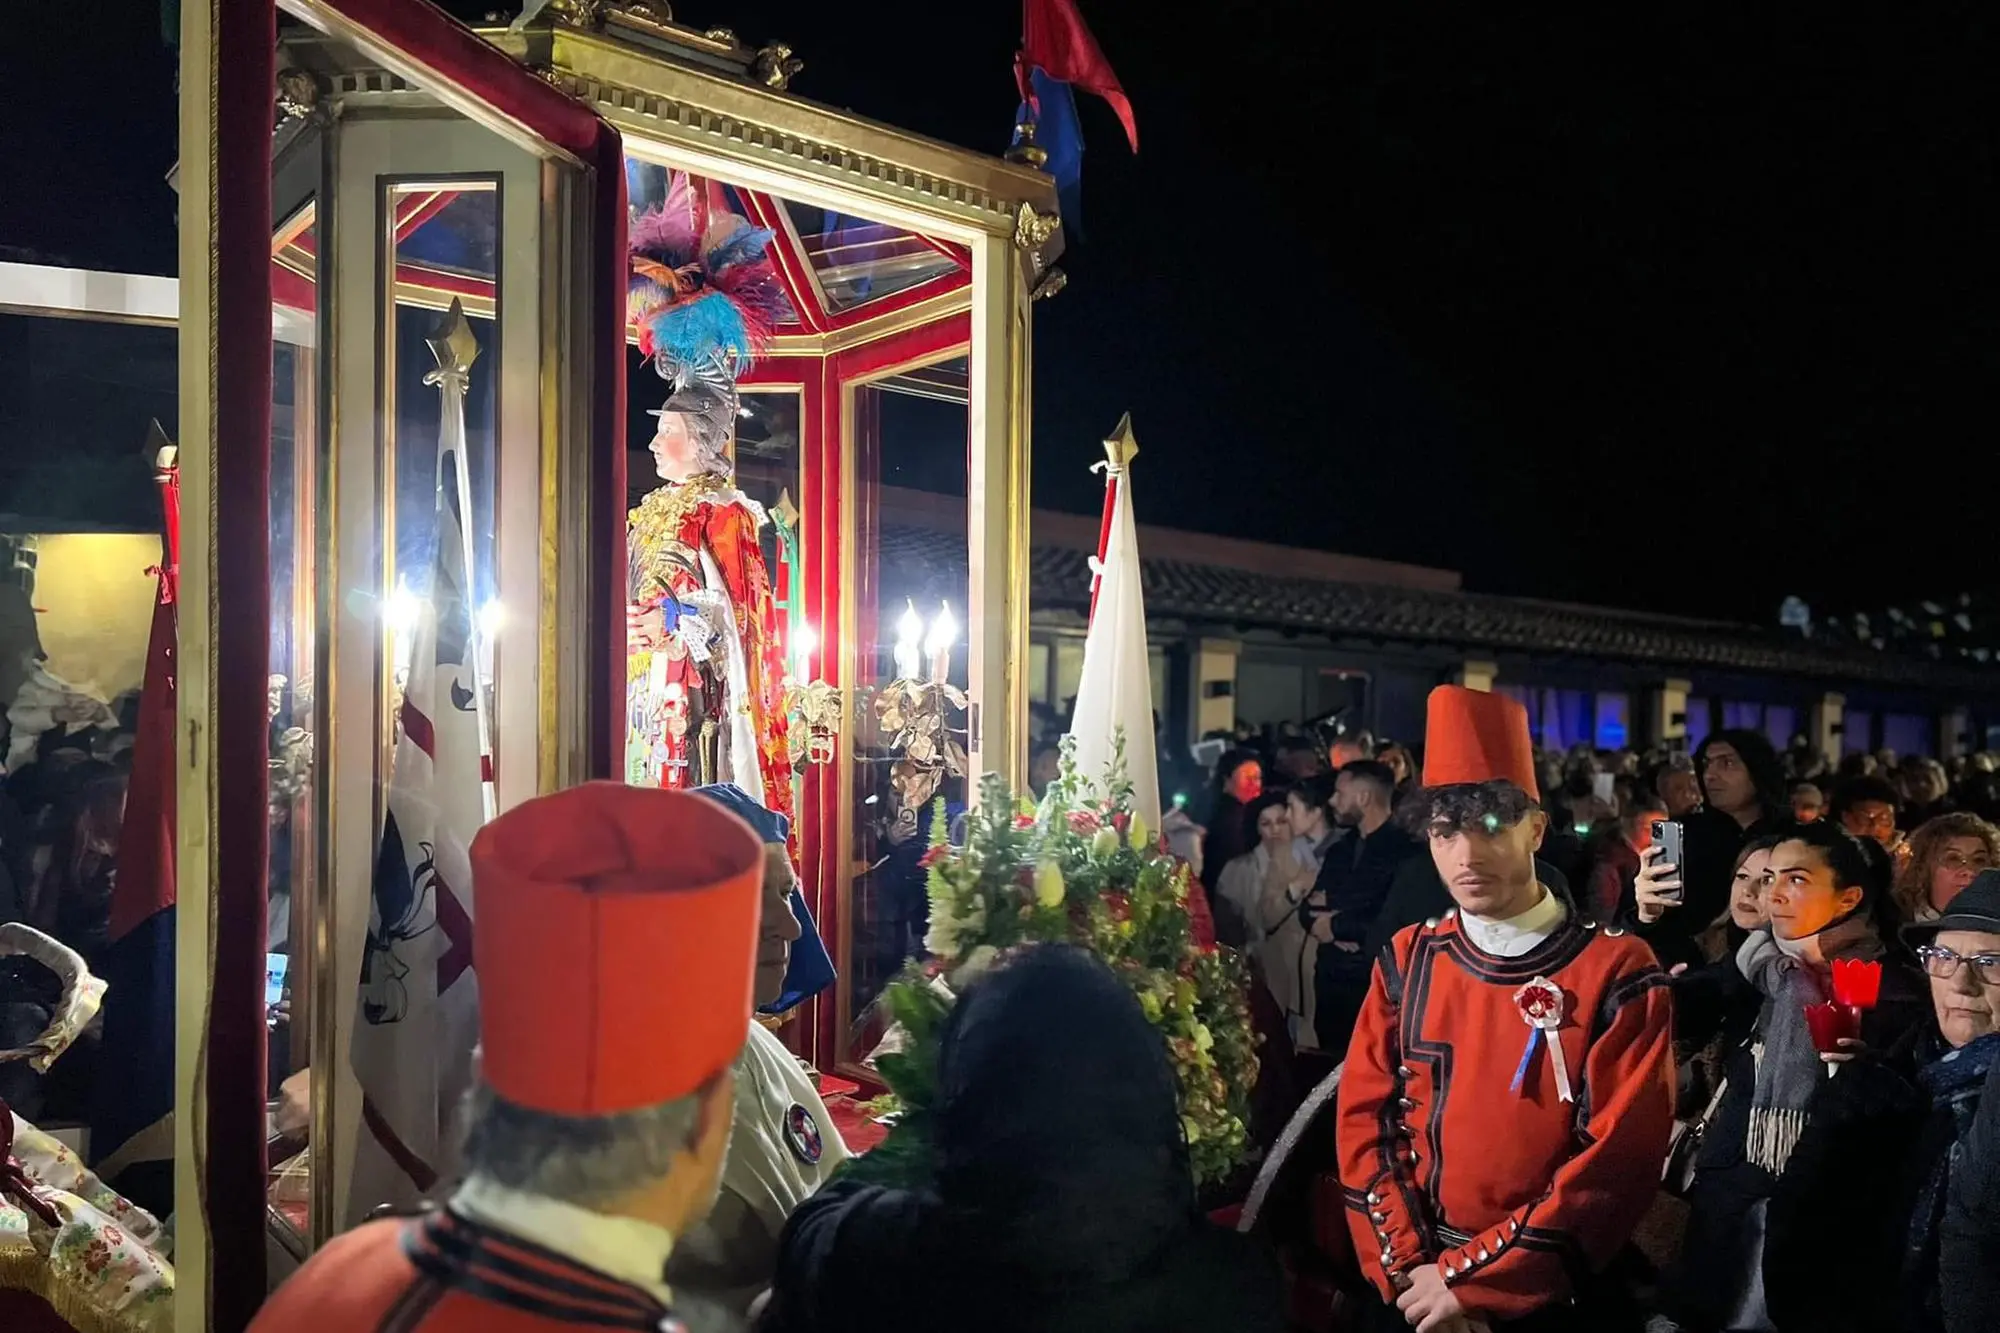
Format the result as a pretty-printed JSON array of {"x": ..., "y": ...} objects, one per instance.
[
  {"x": 1504, "y": 1111},
  {"x": 616, "y": 950}
]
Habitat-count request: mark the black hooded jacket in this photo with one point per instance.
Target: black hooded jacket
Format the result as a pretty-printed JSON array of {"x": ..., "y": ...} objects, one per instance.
[{"x": 1063, "y": 1197}]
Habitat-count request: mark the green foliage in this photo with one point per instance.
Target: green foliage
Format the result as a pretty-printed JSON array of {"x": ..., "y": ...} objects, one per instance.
[{"x": 1079, "y": 867}]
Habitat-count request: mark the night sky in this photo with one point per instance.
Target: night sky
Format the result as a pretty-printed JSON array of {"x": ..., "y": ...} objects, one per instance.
[{"x": 1685, "y": 310}]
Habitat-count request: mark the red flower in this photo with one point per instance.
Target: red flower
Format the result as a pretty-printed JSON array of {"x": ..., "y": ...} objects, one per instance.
[
  {"x": 1122, "y": 823},
  {"x": 1118, "y": 905},
  {"x": 1084, "y": 821},
  {"x": 1024, "y": 821},
  {"x": 934, "y": 855}
]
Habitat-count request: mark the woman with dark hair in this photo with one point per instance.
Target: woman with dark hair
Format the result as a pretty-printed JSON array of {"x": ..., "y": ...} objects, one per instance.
[
  {"x": 1061, "y": 1197},
  {"x": 1238, "y": 780},
  {"x": 1256, "y": 908},
  {"x": 1752, "y": 1241}
]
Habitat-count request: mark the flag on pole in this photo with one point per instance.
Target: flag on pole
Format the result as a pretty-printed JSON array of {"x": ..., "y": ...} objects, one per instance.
[
  {"x": 419, "y": 1003},
  {"x": 132, "y": 1102},
  {"x": 1115, "y": 693},
  {"x": 1055, "y": 40}
]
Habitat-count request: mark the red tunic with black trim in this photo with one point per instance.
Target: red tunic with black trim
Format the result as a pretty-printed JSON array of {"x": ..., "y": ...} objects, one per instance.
[
  {"x": 1515, "y": 1195},
  {"x": 442, "y": 1273}
]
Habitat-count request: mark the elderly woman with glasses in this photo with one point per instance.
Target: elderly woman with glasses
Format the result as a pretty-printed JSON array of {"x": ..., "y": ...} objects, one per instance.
[{"x": 1884, "y": 1181}]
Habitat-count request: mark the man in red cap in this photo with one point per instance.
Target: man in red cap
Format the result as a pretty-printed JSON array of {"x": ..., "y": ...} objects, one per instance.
[
  {"x": 1504, "y": 1110},
  {"x": 616, "y": 950}
]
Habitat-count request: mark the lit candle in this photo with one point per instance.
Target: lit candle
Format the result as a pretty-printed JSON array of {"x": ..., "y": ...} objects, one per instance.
[
  {"x": 909, "y": 632},
  {"x": 804, "y": 644},
  {"x": 944, "y": 630}
]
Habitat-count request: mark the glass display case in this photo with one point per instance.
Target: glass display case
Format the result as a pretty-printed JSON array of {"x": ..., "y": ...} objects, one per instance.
[{"x": 452, "y": 433}]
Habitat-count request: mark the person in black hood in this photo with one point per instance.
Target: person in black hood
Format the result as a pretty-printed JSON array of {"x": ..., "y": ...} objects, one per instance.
[
  {"x": 1061, "y": 1199},
  {"x": 1238, "y": 782},
  {"x": 1744, "y": 798}
]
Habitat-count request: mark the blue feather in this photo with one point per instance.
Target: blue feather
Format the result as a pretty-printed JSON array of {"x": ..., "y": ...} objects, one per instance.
[{"x": 708, "y": 325}]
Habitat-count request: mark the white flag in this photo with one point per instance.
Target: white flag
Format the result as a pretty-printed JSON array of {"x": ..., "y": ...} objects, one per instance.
[
  {"x": 1116, "y": 691},
  {"x": 419, "y": 1004}
]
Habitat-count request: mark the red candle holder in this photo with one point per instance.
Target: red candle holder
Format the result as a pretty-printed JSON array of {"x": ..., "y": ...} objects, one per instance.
[
  {"x": 1856, "y": 984},
  {"x": 1829, "y": 1023}
]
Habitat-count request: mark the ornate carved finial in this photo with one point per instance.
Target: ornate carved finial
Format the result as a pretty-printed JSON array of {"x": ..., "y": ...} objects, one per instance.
[
  {"x": 787, "y": 513},
  {"x": 298, "y": 93},
  {"x": 1052, "y": 281},
  {"x": 1025, "y": 152},
  {"x": 165, "y": 453},
  {"x": 775, "y": 65},
  {"x": 574, "y": 13},
  {"x": 452, "y": 342},
  {"x": 1032, "y": 230},
  {"x": 1121, "y": 446}
]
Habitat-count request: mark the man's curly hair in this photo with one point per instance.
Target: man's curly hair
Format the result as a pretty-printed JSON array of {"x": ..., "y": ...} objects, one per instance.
[{"x": 1463, "y": 807}]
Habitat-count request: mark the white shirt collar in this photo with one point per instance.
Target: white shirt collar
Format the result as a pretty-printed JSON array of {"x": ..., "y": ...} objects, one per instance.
[
  {"x": 622, "y": 1248},
  {"x": 1518, "y": 934}
]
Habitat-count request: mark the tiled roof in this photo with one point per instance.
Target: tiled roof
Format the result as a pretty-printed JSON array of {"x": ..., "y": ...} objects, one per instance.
[{"x": 928, "y": 565}]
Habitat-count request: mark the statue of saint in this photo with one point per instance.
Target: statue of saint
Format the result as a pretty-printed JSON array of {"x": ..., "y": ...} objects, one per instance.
[{"x": 706, "y": 681}]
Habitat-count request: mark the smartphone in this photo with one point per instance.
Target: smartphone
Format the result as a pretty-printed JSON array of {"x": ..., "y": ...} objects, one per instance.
[
  {"x": 275, "y": 967},
  {"x": 1604, "y": 785},
  {"x": 1667, "y": 838}
]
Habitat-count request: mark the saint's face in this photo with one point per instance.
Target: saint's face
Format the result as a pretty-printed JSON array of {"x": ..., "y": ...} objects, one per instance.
[{"x": 675, "y": 455}]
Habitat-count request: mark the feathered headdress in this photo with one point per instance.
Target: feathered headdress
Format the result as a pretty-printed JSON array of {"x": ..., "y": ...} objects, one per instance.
[{"x": 703, "y": 288}]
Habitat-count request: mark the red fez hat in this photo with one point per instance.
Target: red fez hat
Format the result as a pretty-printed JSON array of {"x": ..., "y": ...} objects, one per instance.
[
  {"x": 616, "y": 943},
  {"x": 1476, "y": 736}
]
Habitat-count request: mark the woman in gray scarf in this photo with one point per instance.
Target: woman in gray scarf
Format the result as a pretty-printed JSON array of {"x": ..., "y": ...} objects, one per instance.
[{"x": 1829, "y": 900}]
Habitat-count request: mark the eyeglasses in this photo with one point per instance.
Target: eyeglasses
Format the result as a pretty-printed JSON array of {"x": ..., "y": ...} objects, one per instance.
[
  {"x": 1944, "y": 964},
  {"x": 1959, "y": 861}
]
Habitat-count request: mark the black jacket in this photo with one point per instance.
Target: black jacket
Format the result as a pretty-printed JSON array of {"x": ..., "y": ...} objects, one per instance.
[
  {"x": 1969, "y": 1239},
  {"x": 1832, "y": 1197},
  {"x": 1354, "y": 882},
  {"x": 1060, "y": 1199}
]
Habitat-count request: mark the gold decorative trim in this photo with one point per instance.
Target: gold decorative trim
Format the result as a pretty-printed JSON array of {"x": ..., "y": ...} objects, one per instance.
[{"x": 775, "y": 66}]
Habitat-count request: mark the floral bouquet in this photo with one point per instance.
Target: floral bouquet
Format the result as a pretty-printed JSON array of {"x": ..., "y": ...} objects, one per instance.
[{"x": 1080, "y": 868}]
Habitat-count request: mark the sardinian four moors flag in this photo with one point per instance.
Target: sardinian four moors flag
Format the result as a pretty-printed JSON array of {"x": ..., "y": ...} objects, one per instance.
[
  {"x": 419, "y": 1004},
  {"x": 1116, "y": 691}
]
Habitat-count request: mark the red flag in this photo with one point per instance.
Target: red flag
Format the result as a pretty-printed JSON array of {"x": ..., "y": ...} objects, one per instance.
[
  {"x": 146, "y": 842},
  {"x": 1055, "y": 40}
]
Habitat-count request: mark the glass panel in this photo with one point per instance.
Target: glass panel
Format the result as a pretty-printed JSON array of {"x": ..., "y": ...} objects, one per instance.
[
  {"x": 1040, "y": 654},
  {"x": 766, "y": 453},
  {"x": 294, "y": 511},
  {"x": 910, "y": 464},
  {"x": 1614, "y": 716},
  {"x": 855, "y": 261},
  {"x": 1069, "y": 673},
  {"x": 1857, "y": 732}
]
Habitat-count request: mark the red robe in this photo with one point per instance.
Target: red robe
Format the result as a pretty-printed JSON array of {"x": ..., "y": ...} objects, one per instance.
[
  {"x": 714, "y": 521},
  {"x": 1514, "y": 1195},
  {"x": 443, "y": 1274}
]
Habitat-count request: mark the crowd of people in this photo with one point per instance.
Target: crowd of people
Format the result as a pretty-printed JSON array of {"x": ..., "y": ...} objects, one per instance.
[{"x": 1782, "y": 867}]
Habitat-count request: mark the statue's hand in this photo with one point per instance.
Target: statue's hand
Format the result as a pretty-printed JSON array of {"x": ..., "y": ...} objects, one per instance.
[{"x": 645, "y": 627}]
